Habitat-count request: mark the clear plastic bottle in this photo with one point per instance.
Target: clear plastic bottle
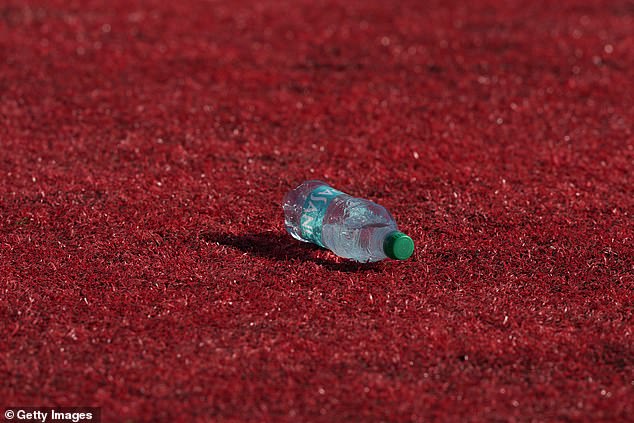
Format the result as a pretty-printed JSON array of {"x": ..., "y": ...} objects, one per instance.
[{"x": 352, "y": 228}]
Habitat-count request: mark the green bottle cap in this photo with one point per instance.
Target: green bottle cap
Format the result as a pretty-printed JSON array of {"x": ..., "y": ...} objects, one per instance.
[{"x": 398, "y": 246}]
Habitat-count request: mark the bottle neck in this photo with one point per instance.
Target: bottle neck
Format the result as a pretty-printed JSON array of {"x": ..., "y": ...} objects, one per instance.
[{"x": 379, "y": 238}]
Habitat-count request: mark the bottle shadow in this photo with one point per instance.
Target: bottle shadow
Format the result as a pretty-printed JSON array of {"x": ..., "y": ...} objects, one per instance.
[{"x": 282, "y": 247}]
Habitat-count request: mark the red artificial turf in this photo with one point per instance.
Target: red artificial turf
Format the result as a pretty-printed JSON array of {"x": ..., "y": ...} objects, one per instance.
[{"x": 145, "y": 147}]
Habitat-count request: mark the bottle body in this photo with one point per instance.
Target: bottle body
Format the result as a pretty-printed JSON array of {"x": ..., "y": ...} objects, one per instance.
[{"x": 353, "y": 228}]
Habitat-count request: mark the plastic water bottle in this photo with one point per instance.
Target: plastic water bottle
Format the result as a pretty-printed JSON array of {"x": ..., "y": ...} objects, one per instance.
[{"x": 350, "y": 227}]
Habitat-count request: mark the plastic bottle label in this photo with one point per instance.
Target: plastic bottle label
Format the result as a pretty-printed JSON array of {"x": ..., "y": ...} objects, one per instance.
[{"x": 314, "y": 211}]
